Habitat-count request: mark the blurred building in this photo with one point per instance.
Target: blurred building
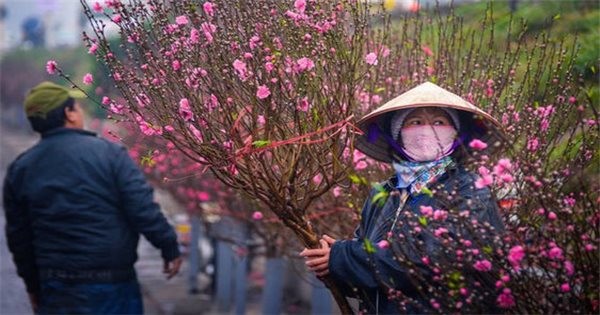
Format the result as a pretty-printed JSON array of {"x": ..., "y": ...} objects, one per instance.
[{"x": 40, "y": 23}]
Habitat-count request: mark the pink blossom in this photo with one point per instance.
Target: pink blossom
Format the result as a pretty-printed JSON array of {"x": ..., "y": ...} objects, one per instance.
[
  {"x": 181, "y": 20},
  {"x": 97, "y": 7},
  {"x": 425, "y": 260},
  {"x": 253, "y": 41},
  {"x": 176, "y": 65},
  {"x": 552, "y": 216},
  {"x": 117, "y": 18},
  {"x": 440, "y": 215},
  {"x": 569, "y": 201},
  {"x": 383, "y": 244},
  {"x": 318, "y": 179},
  {"x": 305, "y": 64},
  {"x": 116, "y": 108},
  {"x": 515, "y": 255},
  {"x": 507, "y": 178},
  {"x": 337, "y": 191},
  {"x": 93, "y": 47},
  {"x": 88, "y": 79},
  {"x": 240, "y": 68},
  {"x": 555, "y": 253},
  {"x": 572, "y": 100},
  {"x": 464, "y": 291},
  {"x": 439, "y": 231},
  {"x": 565, "y": 287},
  {"x": 208, "y": 8},
  {"x": 51, "y": 66},
  {"x": 195, "y": 132},
  {"x": 371, "y": 59},
  {"x": 478, "y": 145},
  {"x": 194, "y": 36},
  {"x": 532, "y": 144},
  {"x": 385, "y": 52},
  {"x": 485, "y": 180},
  {"x": 357, "y": 156},
  {"x": 483, "y": 265},
  {"x": 185, "y": 110},
  {"x": 203, "y": 196},
  {"x": 427, "y": 50},
  {"x": 133, "y": 38},
  {"x": 169, "y": 128},
  {"x": 208, "y": 29},
  {"x": 300, "y": 5},
  {"x": 260, "y": 120},
  {"x": 303, "y": 104},
  {"x": 263, "y": 92},
  {"x": 248, "y": 55},
  {"x": 295, "y": 16},
  {"x": 505, "y": 299},
  {"x": 569, "y": 268},
  {"x": 426, "y": 211},
  {"x": 269, "y": 66},
  {"x": 361, "y": 165},
  {"x": 257, "y": 215},
  {"x": 117, "y": 76},
  {"x": 589, "y": 247},
  {"x": 106, "y": 100}
]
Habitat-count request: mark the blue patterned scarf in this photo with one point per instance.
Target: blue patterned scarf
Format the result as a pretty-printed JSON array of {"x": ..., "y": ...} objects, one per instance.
[{"x": 416, "y": 175}]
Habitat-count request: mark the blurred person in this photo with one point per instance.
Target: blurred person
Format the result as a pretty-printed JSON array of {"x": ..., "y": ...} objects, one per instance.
[
  {"x": 75, "y": 206},
  {"x": 421, "y": 133}
]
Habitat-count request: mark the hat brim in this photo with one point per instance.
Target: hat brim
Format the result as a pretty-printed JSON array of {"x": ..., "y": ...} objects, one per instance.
[{"x": 77, "y": 94}]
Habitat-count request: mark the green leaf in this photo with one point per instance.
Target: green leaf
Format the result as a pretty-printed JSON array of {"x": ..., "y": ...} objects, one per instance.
[
  {"x": 379, "y": 89},
  {"x": 380, "y": 197},
  {"x": 354, "y": 178},
  {"x": 147, "y": 160},
  {"x": 368, "y": 246},
  {"x": 556, "y": 17},
  {"x": 487, "y": 249},
  {"x": 423, "y": 221},
  {"x": 426, "y": 191},
  {"x": 260, "y": 143}
]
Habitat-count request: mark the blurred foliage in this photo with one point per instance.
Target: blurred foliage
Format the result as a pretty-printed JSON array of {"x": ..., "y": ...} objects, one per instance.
[{"x": 568, "y": 19}]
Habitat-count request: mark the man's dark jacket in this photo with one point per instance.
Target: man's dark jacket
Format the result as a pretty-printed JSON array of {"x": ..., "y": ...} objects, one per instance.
[
  {"x": 75, "y": 202},
  {"x": 367, "y": 275}
]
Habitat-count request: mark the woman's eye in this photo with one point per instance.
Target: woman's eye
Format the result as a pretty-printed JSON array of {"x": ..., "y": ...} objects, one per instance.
[
  {"x": 439, "y": 123},
  {"x": 414, "y": 122}
]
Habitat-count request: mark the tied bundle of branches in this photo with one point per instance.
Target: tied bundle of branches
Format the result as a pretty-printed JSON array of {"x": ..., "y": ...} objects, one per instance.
[{"x": 262, "y": 92}]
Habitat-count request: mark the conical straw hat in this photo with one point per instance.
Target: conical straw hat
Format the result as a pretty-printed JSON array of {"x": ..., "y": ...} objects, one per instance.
[{"x": 424, "y": 95}]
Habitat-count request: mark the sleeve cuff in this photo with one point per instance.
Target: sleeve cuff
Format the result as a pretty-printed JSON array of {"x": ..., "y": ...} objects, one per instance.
[{"x": 171, "y": 251}]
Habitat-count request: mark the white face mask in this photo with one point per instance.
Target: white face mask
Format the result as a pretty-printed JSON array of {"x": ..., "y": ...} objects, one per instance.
[{"x": 428, "y": 142}]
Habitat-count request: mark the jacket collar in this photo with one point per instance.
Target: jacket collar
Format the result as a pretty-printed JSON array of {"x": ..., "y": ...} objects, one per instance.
[{"x": 64, "y": 130}]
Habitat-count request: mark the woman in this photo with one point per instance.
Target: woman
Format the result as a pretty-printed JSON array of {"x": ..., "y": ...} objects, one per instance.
[{"x": 422, "y": 133}]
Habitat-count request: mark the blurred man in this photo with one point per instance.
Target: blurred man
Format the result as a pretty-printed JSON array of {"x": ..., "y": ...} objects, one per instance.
[{"x": 75, "y": 206}]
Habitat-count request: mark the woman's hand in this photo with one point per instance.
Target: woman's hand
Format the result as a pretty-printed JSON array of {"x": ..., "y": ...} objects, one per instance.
[{"x": 317, "y": 260}]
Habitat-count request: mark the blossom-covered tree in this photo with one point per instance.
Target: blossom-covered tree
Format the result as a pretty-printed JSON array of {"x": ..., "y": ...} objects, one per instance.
[{"x": 260, "y": 91}]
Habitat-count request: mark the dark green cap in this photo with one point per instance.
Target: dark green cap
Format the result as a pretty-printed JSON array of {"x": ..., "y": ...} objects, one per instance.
[{"x": 47, "y": 96}]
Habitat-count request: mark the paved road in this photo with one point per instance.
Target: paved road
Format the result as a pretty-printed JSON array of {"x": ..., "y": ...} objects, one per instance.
[{"x": 13, "y": 297}]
